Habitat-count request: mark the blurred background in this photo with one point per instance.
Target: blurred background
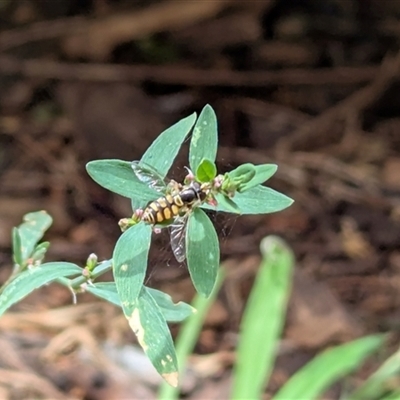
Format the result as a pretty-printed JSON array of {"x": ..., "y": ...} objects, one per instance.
[{"x": 310, "y": 85}]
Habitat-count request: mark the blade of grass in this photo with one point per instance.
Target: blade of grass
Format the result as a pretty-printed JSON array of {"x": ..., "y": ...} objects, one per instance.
[
  {"x": 392, "y": 396},
  {"x": 263, "y": 320},
  {"x": 376, "y": 385},
  {"x": 188, "y": 336},
  {"x": 314, "y": 378}
]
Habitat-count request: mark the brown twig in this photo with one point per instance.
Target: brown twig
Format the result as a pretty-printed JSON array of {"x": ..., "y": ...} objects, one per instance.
[
  {"x": 355, "y": 104},
  {"x": 97, "y": 72},
  {"x": 103, "y": 34},
  {"x": 43, "y": 30},
  {"x": 96, "y": 37}
]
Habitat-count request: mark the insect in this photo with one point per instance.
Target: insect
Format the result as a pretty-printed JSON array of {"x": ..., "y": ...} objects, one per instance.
[{"x": 173, "y": 207}]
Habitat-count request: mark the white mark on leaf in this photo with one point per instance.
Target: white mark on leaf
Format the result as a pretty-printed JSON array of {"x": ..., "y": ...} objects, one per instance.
[{"x": 137, "y": 328}]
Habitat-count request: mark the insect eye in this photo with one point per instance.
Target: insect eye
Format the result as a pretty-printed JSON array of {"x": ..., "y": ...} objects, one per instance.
[{"x": 188, "y": 195}]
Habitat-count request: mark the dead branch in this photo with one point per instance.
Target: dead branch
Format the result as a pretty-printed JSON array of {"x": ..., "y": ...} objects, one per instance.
[
  {"x": 95, "y": 38},
  {"x": 102, "y": 35},
  {"x": 43, "y": 30},
  {"x": 98, "y": 72},
  {"x": 353, "y": 104}
]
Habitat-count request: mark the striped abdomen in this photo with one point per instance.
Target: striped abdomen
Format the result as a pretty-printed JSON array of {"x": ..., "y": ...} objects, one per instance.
[{"x": 163, "y": 209}]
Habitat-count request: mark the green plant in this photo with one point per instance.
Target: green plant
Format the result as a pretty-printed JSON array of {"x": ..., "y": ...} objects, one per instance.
[
  {"x": 147, "y": 310},
  {"x": 256, "y": 357},
  {"x": 261, "y": 331}
]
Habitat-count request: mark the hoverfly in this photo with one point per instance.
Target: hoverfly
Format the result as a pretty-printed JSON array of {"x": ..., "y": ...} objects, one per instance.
[{"x": 173, "y": 207}]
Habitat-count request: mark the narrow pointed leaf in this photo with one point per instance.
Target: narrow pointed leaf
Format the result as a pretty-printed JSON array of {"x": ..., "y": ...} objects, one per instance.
[
  {"x": 204, "y": 140},
  {"x": 202, "y": 250},
  {"x": 258, "y": 200},
  {"x": 243, "y": 173},
  {"x": 105, "y": 290},
  {"x": 262, "y": 173},
  {"x": 162, "y": 152},
  {"x": 32, "y": 230},
  {"x": 395, "y": 395},
  {"x": 17, "y": 250},
  {"x": 377, "y": 384},
  {"x": 227, "y": 203},
  {"x": 118, "y": 177},
  {"x": 130, "y": 264},
  {"x": 173, "y": 312},
  {"x": 40, "y": 251},
  {"x": 189, "y": 334},
  {"x": 311, "y": 381},
  {"x": 153, "y": 334},
  {"x": 32, "y": 278},
  {"x": 264, "y": 318}
]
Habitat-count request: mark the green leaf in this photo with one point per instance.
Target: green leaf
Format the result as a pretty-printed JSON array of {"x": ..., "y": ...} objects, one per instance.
[
  {"x": 377, "y": 384},
  {"x": 17, "y": 250},
  {"x": 206, "y": 171},
  {"x": 243, "y": 173},
  {"x": 149, "y": 177},
  {"x": 189, "y": 334},
  {"x": 173, "y": 312},
  {"x": 152, "y": 332},
  {"x": 130, "y": 264},
  {"x": 32, "y": 230},
  {"x": 202, "y": 252},
  {"x": 262, "y": 173},
  {"x": 204, "y": 139},
  {"x": 40, "y": 251},
  {"x": 258, "y": 200},
  {"x": 118, "y": 177},
  {"x": 106, "y": 291},
  {"x": 263, "y": 320},
  {"x": 32, "y": 278},
  {"x": 227, "y": 204},
  {"x": 325, "y": 369},
  {"x": 162, "y": 152}
]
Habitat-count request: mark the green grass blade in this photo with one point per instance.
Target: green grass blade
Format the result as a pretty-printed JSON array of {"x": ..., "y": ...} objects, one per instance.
[
  {"x": 204, "y": 140},
  {"x": 188, "y": 336},
  {"x": 376, "y": 385},
  {"x": 318, "y": 375},
  {"x": 263, "y": 320},
  {"x": 391, "y": 396},
  {"x": 202, "y": 250},
  {"x": 162, "y": 152}
]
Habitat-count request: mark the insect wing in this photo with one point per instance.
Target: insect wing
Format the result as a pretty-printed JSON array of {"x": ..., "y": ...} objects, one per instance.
[
  {"x": 178, "y": 245},
  {"x": 148, "y": 176}
]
